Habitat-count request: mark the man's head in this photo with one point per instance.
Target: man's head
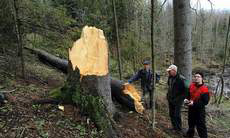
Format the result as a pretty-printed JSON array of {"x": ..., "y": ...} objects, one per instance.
[
  {"x": 172, "y": 70},
  {"x": 198, "y": 78},
  {"x": 146, "y": 64}
]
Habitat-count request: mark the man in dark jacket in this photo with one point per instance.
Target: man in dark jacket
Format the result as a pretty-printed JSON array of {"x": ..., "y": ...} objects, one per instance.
[
  {"x": 146, "y": 77},
  {"x": 175, "y": 96},
  {"x": 197, "y": 99}
]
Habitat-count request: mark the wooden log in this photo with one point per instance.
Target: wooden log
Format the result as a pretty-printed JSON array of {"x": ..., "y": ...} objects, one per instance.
[
  {"x": 126, "y": 95},
  {"x": 47, "y": 58},
  {"x": 118, "y": 91}
]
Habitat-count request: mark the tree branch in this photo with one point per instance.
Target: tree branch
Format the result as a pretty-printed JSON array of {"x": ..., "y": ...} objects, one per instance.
[
  {"x": 8, "y": 91},
  {"x": 161, "y": 7},
  {"x": 211, "y": 4}
]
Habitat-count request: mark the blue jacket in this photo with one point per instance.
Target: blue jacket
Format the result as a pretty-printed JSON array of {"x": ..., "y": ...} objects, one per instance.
[{"x": 145, "y": 76}]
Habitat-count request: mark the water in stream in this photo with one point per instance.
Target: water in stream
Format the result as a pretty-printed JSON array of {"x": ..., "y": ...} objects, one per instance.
[{"x": 213, "y": 79}]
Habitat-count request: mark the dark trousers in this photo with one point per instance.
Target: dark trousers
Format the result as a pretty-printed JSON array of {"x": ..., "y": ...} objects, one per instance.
[
  {"x": 175, "y": 115},
  {"x": 196, "y": 118},
  {"x": 148, "y": 89}
]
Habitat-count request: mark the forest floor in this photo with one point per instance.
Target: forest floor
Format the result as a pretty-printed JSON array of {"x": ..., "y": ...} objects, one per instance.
[{"x": 20, "y": 118}]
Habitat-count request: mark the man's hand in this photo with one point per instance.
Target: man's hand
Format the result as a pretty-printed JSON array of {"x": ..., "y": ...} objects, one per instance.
[
  {"x": 190, "y": 103},
  {"x": 186, "y": 101}
]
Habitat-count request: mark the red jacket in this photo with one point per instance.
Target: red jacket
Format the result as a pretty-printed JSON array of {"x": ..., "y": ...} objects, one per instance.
[{"x": 197, "y": 91}]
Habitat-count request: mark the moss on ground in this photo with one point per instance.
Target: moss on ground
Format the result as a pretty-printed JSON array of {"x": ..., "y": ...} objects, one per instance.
[{"x": 91, "y": 105}]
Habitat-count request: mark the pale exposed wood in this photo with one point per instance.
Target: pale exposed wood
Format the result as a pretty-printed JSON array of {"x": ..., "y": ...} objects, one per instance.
[
  {"x": 135, "y": 95},
  {"x": 90, "y": 53},
  {"x": 124, "y": 95},
  {"x": 88, "y": 75}
]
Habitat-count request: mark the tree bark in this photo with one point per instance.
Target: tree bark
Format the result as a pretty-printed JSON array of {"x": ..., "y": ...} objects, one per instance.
[
  {"x": 222, "y": 89},
  {"x": 152, "y": 95},
  {"x": 47, "y": 58},
  {"x": 226, "y": 46},
  {"x": 214, "y": 40},
  {"x": 88, "y": 83},
  {"x": 118, "y": 41},
  {"x": 19, "y": 36},
  {"x": 182, "y": 37},
  {"x": 126, "y": 95},
  {"x": 224, "y": 61},
  {"x": 117, "y": 88}
]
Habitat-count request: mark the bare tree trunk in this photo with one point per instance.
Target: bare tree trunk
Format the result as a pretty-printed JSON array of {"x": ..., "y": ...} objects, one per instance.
[
  {"x": 224, "y": 62},
  {"x": 182, "y": 37},
  {"x": 152, "y": 96},
  {"x": 214, "y": 40},
  {"x": 201, "y": 47},
  {"x": 226, "y": 47},
  {"x": 140, "y": 25},
  {"x": 222, "y": 88},
  {"x": 118, "y": 42},
  {"x": 134, "y": 62},
  {"x": 19, "y": 37},
  {"x": 196, "y": 41},
  {"x": 216, "y": 91}
]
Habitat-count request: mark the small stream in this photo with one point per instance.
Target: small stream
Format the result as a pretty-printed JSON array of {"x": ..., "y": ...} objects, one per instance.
[{"x": 212, "y": 81}]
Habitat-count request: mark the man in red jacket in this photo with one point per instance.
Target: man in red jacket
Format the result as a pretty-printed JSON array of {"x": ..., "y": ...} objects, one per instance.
[{"x": 196, "y": 101}]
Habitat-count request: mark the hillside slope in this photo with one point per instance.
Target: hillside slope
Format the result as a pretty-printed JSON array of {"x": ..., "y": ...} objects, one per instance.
[{"x": 19, "y": 117}]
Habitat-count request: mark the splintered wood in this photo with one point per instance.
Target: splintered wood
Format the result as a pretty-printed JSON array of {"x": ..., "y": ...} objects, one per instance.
[
  {"x": 90, "y": 53},
  {"x": 135, "y": 95}
]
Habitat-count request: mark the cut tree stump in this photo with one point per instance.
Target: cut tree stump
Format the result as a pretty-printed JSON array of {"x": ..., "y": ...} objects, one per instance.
[
  {"x": 88, "y": 83},
  {"x": 127, "y": 96},
  {"x": 89, "y": 55}
]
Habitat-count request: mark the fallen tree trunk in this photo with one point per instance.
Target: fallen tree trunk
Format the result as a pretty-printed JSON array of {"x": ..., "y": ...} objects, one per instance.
[
  {"x": 47, "y": 58},
  {"x": 118, "y": 94},
  {"x": 127, "y": 96}
]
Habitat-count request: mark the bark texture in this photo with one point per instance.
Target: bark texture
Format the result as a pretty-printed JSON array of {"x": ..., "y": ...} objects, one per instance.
[
  {"x": 117, "y": 86},
  {"x": 88, "y": 83},
  {"x": 47, "y": 58},
  {"x": 182, "y": 37}
]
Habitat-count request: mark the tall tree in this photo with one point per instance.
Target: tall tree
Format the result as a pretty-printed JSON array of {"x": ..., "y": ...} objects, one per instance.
[
  {"x": 224, "y": 61},
  {"x": 182, "y": 37},
  {"x": 19, "y": 36},
  {"x": 152, "y": 96},
  {"x": 118, "y": 42}
]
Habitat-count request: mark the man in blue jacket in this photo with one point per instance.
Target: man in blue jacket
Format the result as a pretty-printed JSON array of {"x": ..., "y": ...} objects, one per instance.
[{"x": 146, "y": 76}]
